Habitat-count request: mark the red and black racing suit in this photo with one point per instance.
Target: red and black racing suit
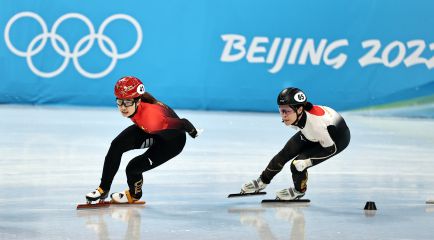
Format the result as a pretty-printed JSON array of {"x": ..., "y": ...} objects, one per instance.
[{"x": 157, "y": 127}]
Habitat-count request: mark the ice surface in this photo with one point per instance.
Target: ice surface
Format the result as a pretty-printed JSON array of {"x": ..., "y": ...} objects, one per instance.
[{"x": 51, "y": 157}]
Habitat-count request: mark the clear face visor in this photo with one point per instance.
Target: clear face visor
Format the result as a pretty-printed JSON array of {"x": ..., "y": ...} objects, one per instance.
[
  {"x": 285, "y": 109},
  {"x": 125, "y": 102}
]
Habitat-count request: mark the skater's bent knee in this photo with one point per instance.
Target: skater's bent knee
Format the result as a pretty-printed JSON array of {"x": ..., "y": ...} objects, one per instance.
[{"x": 132, "y": 169}]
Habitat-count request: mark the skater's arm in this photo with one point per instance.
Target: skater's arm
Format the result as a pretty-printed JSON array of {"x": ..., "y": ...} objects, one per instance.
[
  {"x": 328, "y": 145},
  {"x": 184, "y": 124},
  {"x": 331, "y": 149},
  {"x": 326, "y": 140},
  {"x": 154, "y": 126}
]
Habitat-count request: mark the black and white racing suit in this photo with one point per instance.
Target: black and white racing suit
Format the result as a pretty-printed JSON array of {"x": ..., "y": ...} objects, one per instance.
[{"x": 322, "y": 134}]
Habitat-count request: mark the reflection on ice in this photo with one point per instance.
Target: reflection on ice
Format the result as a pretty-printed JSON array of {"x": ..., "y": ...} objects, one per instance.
[
  {"x": 97, "y": 221},
  {"x": 257, "y": 218}
]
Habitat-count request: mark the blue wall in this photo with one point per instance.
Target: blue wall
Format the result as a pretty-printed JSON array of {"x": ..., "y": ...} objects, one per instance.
[{"x": 220, "y": 54}]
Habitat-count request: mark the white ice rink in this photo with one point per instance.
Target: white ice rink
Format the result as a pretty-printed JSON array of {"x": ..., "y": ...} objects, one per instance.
[{"x": 50, "y": 157}]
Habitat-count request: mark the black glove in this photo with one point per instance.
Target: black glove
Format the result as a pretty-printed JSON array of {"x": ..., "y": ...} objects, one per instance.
[{"x": 189, "y": 128}]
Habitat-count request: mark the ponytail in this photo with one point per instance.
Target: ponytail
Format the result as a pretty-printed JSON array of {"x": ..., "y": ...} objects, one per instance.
[
  {"x": 148, "y": 98},
  {"x": 308, "y": 106}
]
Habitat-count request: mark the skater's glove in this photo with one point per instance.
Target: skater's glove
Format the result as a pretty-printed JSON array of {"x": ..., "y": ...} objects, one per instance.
[
  {"x": 300, "y": 165},
  {"x": 189, "y": 128}
]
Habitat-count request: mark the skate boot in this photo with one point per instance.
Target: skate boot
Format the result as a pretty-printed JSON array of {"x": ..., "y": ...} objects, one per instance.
[
  {"x": 123, "y": 197},
  {"x": 253, "y": 186},
  {"x": 96, "y": 195},
  {"x": 289, "y": 194}
]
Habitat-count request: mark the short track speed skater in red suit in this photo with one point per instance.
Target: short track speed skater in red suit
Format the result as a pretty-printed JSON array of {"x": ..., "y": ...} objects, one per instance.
[{"x": 156, "y": 127}]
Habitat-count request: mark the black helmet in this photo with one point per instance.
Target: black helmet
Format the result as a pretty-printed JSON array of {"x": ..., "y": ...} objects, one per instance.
[{"x": 293, "y": 97}]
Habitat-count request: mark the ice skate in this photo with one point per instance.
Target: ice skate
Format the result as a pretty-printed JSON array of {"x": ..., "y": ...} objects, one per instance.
[
  {"x": 124, "y": 198},
  {"x": 95, "y": 199},
  {"x": 289, "y": 194},
  {"x": 251, "y": 188},
  {"x": 96, "y": 195}
]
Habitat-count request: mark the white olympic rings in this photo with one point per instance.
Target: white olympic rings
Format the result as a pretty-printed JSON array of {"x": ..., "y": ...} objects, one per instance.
[{"x": 77, "y": 52}]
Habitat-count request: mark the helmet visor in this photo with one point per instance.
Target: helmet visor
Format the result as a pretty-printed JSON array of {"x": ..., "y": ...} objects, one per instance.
[
  {"x": 285, "y": 109},
  {"x": 125, "y": 102}
]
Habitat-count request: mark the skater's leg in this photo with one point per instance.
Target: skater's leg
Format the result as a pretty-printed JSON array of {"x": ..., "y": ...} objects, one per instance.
[
  {"x": 289, "y": 151},
  {"x": 309, "y": 157},
  {"x": 131, "y": 138},
  {"x": 299, "y": 178},
  {"x": 315, "y": 155},
  {"x": 292, "y": 148},
  {"x": 160, "y": 152}
]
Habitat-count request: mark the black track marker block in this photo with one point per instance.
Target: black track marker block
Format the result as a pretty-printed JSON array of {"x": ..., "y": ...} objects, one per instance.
[{"x": 370, "y": 206}]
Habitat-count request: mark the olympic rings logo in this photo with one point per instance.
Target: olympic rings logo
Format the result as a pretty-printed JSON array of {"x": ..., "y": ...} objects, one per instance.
[{"x": 76, "y": 52}]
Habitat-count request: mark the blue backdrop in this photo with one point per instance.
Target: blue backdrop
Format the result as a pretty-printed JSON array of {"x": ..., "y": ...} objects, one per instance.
[{"x": 217, "y": 54}]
